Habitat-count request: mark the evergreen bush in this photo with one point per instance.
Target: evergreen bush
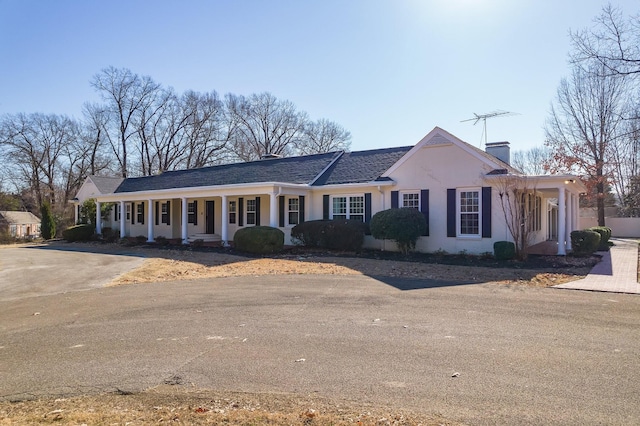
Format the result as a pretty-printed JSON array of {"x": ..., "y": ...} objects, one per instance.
[
  {"x": 585, "y": 242},
  {"x": 47, "y": 224},
  {"x": 337, "y": 234},
  {"x": 504, "y": 250},
  {"x": 404, "y": 226},
  {"x": 605, "y": 235},
  {"x": 78, "y": 233},
  {"x": 259, "y": 240}
]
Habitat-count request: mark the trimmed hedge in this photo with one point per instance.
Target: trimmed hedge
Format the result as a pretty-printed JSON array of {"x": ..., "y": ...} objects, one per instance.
[
  {"x": 259, "y": 240},
  {"x": 79, "y": 233},
  {"x": 584, "y": 242},
  {"x": 605, "y": 235},
  {"x": 338, "y": 234},
  {"x": 504, "y": 250},
  {"x": 404, "y": 226}
]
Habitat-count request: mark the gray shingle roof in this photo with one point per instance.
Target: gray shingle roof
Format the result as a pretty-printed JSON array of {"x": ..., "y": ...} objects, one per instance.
[
  {"x": 295, "y": 170},
  {"x": 106, "y": 185},
  {"x": 19, "y": 218},
  {"x": 362, "y": 166}
]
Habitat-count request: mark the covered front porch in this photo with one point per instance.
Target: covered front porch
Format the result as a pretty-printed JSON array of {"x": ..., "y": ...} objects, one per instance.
[
  {"x": 562, "y": 195},
  {"x": 212, "y": 216}
]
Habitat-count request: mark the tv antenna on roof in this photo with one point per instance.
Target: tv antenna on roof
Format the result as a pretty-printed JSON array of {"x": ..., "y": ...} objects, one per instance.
[{"x": 484, "y": 117}]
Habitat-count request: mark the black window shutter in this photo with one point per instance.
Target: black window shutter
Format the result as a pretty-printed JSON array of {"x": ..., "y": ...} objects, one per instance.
[
  {"x": 142, "y": 212},
  {"x": 257, "y": 211},
  {"x": 424, "y": 208},
  {"x": 133, "y": 213},
  {"x": 157, "y": 211},
  {"x": 451, "y": 212},
  {"x": 281, "y": 211},
  {"x": 168, "y": 212},
  {"x": 486, "y": 212},
  {"x": 325, "y": 207},
  {"x": 394, "y": 199},
  {"x": 367, "y": 207},
  {"x": 195, "y": 212},
  {"x": 240, "y": 211},
  {"x": 301, "y": 209}
]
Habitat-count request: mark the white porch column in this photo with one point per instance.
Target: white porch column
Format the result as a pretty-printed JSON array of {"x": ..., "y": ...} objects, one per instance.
[
  {"x": 576, "y": 211},
  {"x": 224, "y": 232},
  {"x": 76, "y": 206},
  {"x": 185, "y": 217},
  {"x": 123, "y": 217},
  {"x": 562, "y": 221},
  {"x": 150, "y": 221},
  {"x": 98, "y": 218},
  {"x": 569, "y": 219},
  {"x": 273, "y": 210}
]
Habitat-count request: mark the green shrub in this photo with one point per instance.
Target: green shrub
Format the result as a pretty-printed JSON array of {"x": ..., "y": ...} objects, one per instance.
[
  {"x": 403, "y": 226},
  {"x": 47, "y": 224},
  {"x": 337, "y": 234},
  {"x": 585, "y": 242},
  {"x": 605, "y": 235},
  {"x": 78, "y": 233},
  {"x": 259, "y": 240},
  {"x": 504, "y": 250}
]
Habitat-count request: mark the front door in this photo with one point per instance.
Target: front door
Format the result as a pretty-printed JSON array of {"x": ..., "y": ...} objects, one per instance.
[{"x": 210, "y": 217}]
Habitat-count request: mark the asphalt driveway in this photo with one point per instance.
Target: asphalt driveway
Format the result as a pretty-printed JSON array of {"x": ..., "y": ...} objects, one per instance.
[
  {"x": 39, "y": 270},
  {"x": 480, "y": 354}
]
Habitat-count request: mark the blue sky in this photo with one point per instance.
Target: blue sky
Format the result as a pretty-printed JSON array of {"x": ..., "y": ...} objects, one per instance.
[{"x": 386, "y": 70}]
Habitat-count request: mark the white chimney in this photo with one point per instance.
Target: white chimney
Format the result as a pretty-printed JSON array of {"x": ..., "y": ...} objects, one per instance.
[{"x": 500, "y": 150}]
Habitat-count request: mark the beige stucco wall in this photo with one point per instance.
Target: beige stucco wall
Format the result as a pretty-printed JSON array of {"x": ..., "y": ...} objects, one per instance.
[{"x": 628, "y": 227}]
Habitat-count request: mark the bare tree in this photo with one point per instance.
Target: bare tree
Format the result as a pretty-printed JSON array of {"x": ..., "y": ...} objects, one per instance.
[
  {"x": 535, "y": 161},
  {"x": 324, "y": 136},
  {"x": 522, "y": 209},
  {"x": 613, "y": 42},
  {"x": 584, "y": 126},
  {"x": 36, "y": 146},
  {"x": 264, "y": 125},
  {"x": 126, "y": 95},
  {"x": 94, "y": 142},
  {"x": 207, "y": 131},
  {"x": 625, "y": 164}
]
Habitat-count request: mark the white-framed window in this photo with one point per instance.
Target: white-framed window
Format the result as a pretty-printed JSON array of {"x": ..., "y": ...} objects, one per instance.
[
  {"x": 348, "y": 207},
  {"x": 294, "y": 211},
  {"x": 251, "y": 212},
  {"x": 164, "y": 209},
  {"x": 410, "y": 200},
  {"x": 191, "y": 212},
  {"x": 469, "y": 212},
  {"x": 232, "y": 212},
  {"x": 128, "y": 209}
]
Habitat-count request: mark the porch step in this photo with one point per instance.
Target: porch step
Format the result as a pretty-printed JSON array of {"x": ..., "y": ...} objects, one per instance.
[{"x": 207, "y": 238}]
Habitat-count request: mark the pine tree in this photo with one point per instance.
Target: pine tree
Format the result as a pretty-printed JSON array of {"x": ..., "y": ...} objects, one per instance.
[{"x": 48, "y": 225}]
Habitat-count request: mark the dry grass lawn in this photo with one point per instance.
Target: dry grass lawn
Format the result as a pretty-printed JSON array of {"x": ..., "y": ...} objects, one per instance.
[{"x": 171, "y": 265}]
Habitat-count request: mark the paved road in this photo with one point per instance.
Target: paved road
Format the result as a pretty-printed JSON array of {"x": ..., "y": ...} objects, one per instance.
[{"x": 524, "y": 356}]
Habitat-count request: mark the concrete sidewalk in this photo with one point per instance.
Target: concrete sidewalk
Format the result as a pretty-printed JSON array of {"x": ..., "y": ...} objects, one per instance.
[{"x": 617, "y": 272}]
